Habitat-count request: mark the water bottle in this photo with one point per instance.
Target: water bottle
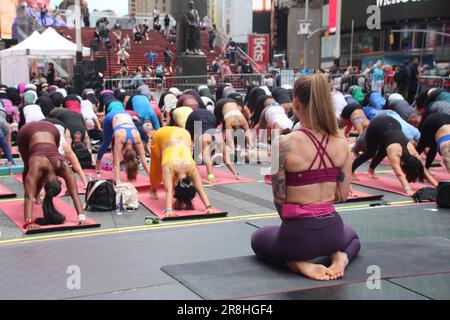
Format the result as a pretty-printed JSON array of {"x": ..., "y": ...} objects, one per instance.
[{"x": 119, "y": 204}]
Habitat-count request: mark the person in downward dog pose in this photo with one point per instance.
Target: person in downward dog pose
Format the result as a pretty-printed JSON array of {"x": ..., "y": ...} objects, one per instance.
[
  {"x": 353, "y": 116},
  {"x": 208, "y": 140},
  {"x": 384, "y": 137},
  {"x": 38, "y": 146},
  {"x": 436, "y": 136},
  {"x": 173, "y": 166},
  {"x": 313, "y": 171},
  {"x": 118, "y": 127}
]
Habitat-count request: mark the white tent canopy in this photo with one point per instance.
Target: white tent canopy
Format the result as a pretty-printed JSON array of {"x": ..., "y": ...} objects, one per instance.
[{"x": 48, "y": 45}]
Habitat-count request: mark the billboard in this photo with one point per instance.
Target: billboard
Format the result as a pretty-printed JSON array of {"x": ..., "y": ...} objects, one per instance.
[
  {"x": 332, "y": 15},
  {"x": 392, "y": 10},
  {"x": 258, "y": 49}
]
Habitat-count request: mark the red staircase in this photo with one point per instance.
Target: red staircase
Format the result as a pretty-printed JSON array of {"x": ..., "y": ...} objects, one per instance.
[{"x": 157, "y": 43}]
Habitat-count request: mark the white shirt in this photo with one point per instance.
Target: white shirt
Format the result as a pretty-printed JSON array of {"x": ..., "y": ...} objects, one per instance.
[
  {"x": 87, "y": 110},
  {"x": 339, "y": 103},
  {"x": 33, "y": 113}
]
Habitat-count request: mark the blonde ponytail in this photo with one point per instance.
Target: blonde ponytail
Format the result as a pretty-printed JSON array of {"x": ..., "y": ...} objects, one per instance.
[{"x": 314, "y": 92}]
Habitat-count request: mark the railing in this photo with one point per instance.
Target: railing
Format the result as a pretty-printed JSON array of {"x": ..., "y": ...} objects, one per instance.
[
  {"x": 126, "y": 23},
  {"x": 239, "y": 82},
  {"x": 223, "y": 41},
  {"x": 428, "y": 82}
]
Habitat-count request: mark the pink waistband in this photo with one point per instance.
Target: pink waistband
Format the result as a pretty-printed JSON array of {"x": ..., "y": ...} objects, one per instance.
[{"x": 296, "y": 211}]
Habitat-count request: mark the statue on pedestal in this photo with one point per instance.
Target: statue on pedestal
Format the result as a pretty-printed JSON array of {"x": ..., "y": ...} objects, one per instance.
[{"x": 192, "y": 30}]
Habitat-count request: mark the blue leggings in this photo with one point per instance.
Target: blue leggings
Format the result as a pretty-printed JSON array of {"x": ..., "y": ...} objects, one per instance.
[
  {"x": 5, "y": 146},
  {"x": 108, "y": 132},
  {"x": 305, "y": 239}
]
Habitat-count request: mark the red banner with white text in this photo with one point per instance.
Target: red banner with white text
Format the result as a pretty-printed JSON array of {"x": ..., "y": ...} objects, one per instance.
[{"x": 259, "y": 50}]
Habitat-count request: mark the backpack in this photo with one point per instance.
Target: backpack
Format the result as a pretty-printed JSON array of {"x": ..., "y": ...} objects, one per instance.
[
  {"x": 443, "y": 195},
  {"x": 84, "y": 157},
  {"x": 425, "y": 195},
  {"x": 129, "y": 196},
  {"x": 100, "y": 195}
]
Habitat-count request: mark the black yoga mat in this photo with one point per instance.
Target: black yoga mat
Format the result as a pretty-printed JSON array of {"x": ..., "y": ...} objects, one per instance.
[{"x": 246, "y": 277}]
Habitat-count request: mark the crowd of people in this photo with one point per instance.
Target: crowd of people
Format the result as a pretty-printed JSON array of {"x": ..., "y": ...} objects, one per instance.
[{"x": 58, "y": 133}]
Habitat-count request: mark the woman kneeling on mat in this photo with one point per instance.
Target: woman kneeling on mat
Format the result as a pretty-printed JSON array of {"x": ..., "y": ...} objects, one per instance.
[
  {"x": 118, "y": 127},
  {"x": 38, "y": 145},
  {"x": 436, "y": 136},
  {"x": 313, "y": 172},
  {"x": 384, "y": 137},
  {"x": 173, "y": 165}
]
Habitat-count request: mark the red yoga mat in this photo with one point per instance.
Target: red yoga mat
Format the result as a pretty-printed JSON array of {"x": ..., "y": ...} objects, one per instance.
[
  {"x": 221, "y": 177},
  {"x": 142, "y": 182},
  {"x": 64, "y": 191},
  {"x": 15, "y": 210},
  {"x": 385, "y": 183},
  {"x": 356, "y": 195},
  {"x": 157, "y": 208},
  {"x": 5, "y": 193},
  {"x": 438, "y": 175}
]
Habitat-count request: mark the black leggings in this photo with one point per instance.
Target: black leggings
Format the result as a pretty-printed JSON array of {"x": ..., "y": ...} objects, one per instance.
[{"x": 381, "y": 132}]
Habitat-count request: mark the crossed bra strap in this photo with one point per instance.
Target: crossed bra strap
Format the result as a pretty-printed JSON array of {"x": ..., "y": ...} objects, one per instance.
[
  {"x": 319, "y": 175},
  {"x": 129, "y": 131}
]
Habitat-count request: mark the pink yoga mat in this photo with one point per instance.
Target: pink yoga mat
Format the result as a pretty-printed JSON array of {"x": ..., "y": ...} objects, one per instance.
[
  {"x": 81, "y": 187},
  {"x": 438, "y": 175},
  {"x": 157, "y": 207},
  {"x": 142, "y": 181},
  {"x": 5, "y": 193},
  {"x": 385, "y": 183},
  {"x": 222, "y": 177},
  {"x": 15, "y": 211}
]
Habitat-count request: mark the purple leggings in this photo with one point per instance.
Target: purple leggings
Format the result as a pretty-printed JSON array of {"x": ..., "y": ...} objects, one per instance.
[{"x": 305, "y": 239}]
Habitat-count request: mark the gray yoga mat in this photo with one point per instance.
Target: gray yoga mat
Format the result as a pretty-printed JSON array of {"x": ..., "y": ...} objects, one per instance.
[{"x": 246, "y": 277}]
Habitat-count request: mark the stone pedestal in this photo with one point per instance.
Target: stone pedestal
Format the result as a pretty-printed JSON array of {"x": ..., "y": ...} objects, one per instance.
[{"x": 191, "y": 65}]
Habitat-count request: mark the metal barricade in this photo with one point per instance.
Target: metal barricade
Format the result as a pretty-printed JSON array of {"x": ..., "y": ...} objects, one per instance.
[{"x": 239, "y": 82}]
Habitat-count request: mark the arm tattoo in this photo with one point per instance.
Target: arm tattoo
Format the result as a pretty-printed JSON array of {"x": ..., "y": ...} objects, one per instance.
[{"x": 279, "y": 176}]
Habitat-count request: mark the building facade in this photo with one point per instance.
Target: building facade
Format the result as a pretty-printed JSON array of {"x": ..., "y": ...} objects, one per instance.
[
  {"x": 233, "y": 17},
  {"x": 145, "y": 7}
]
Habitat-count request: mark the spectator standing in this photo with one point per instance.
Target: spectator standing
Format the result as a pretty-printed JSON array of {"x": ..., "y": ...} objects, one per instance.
[
  {"x": 132, "y": 21},
  {"x": 117, "y": 32},
  {"x": 377, "y": 80},
  {"x": 51, "y": 74},
  {"x": 414, "y": 71},
  {"x": 212, "y": 37},
  {"x": 403, "y": 78},
  {"x": 232, "y": 46},
  {"x": 167, "y": 26},
  {"x": 151, "y": 57},
  {"x": 104, "y": 33},
  {"x": 225, "y": 71},
  {"x": 146, "y": 29},
  {"x": 156, "y": 13},
  {"x": 44, "y": 12},
  {"x": 167, "y": 57},
  {"x": 86, "y": 15}
]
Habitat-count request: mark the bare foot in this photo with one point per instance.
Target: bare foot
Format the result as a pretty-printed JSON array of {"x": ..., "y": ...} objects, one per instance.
[
  {"x": 339, "y": 262},
  {"x": 33, "y": 226},
  {"x": 353, "y": 177},
  {"x": 372, "y": 174},
  {"x": 310, "y": 270},
  {"x": 153, "y": 195}
]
